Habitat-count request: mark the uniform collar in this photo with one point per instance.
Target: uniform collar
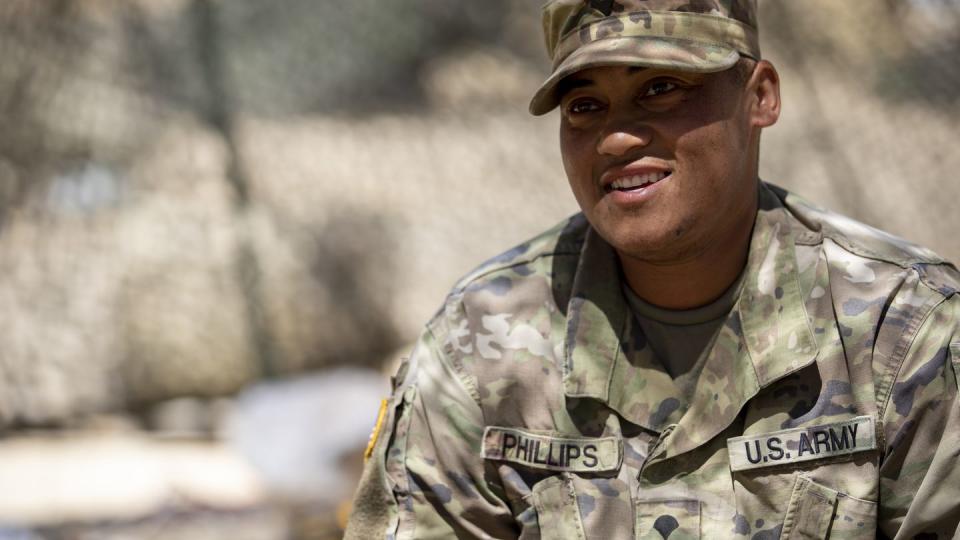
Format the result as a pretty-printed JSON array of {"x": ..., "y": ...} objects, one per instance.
[{"x": 767, "y": 336}]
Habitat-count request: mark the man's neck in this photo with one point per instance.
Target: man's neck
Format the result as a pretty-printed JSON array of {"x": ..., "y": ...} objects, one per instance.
[{"x": 696, "y": 281}]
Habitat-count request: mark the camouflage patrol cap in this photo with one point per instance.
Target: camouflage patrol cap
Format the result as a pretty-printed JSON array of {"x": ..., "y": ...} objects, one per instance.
[{"x": 701, "y": 36}]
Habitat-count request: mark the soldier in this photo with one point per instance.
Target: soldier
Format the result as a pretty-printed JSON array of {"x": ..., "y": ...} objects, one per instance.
[{"x": 697, "y": 354}]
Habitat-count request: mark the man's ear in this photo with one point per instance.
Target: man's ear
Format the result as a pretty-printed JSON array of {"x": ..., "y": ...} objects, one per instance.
[{"x": 764, "y": 95}]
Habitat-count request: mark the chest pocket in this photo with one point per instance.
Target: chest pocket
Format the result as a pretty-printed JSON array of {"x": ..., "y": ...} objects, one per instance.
[
  {"x": 817, "y": 512},
  {"x": 584, "y": 489},
  {"x": 784, "y": 475},
  {"x": 578, "y": 491},
  {"x": 570, "y": 506}
]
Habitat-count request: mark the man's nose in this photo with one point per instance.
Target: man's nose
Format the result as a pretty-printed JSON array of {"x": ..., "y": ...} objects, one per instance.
[{"x": 620, "y": 140}]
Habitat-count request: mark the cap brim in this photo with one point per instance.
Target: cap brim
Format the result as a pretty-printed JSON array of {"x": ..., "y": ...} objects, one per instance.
[{"x": 679, "y": 55}]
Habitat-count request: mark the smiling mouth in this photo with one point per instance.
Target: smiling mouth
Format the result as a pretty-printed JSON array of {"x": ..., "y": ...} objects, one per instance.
[{"x": 637, "y": 181}]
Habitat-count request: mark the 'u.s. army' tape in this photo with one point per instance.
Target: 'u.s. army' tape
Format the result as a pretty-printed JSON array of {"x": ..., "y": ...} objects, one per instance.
[
  {"x": 802, "y": 444},
  {"x": 570, "y": 454}
]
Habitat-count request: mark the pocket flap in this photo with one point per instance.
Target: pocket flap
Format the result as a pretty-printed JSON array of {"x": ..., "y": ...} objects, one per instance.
[
  {"x": 810, "y": 511},
  {"x": 557, "y": 511}
]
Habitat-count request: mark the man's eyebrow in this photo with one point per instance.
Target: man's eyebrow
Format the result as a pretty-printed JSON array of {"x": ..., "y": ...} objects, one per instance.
[{"x": 572, "y": 83}]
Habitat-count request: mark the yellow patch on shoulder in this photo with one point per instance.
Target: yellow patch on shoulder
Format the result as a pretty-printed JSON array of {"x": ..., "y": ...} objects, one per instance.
[{"x": 375, "y": 434}]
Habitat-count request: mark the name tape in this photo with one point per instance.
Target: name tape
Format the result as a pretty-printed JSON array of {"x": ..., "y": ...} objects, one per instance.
[
  {"x": 569, "y": 454},
  {"x": 802, "y": 444}
]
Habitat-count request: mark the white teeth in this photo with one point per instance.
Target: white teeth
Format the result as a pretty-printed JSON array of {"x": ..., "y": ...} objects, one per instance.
[{"x": 630, "y": 182}]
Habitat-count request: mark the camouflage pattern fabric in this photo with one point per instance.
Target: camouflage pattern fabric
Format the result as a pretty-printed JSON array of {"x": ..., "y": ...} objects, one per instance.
[
  {"x": 827, "y": 407},
  {"x": 686, "y": 35}
]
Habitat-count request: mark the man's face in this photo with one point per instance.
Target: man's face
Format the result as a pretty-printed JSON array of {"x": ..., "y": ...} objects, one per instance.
[{"x": 662, "y": 163}]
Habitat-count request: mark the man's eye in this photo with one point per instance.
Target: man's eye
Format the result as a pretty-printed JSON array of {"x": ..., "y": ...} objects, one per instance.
[
  {"x": 582, "y": 106},
  {"x": 659, "y": 88}
]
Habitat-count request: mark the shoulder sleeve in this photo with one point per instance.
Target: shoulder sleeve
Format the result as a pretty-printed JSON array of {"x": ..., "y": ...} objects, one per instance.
[
  {"x": 920, "y": 472},
  {"x": 425, "y": 477}
]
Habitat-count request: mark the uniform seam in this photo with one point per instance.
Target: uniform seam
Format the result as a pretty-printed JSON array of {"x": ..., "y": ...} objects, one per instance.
[
  {"x": 446, "y": 354},
  {"x": 465, "y": 283},
  {"x": 844, "y": 242},
  {"x": 401, "y": 491},
  {"x": 799, "y": 488},
  {"x": 925, "y": 278},
  {"x": 954, "y": 351},
  {"x": 572, "y": 493},
  {"x": 898, "y": 356},
  {"x": 466, "y": 381},
  {"x": 819, "y": 220},
  {"x": 814, "y": 241},
  {"x": 554, "y": 242},
  {"x": 616, "y": 358}
]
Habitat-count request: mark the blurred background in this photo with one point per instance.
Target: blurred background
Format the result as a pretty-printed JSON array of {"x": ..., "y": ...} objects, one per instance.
[{"x": 222, "y": 222}]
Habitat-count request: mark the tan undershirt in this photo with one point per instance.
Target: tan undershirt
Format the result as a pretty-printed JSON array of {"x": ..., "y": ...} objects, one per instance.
[{"x": 680, "y": 338}]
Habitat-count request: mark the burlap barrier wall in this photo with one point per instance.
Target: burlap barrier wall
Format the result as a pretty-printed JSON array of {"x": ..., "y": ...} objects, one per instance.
[{"x": 198, "y": 194}]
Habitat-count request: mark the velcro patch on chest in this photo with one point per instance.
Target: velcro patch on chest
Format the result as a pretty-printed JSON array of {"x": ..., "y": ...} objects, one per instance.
[
  {"x": 802, "y": 444},
  {"x": 569, "y": 454}
]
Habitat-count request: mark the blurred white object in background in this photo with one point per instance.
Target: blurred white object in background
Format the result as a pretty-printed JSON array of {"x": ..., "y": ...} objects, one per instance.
[
  {"x": 85, "y": 190},
  {"x": 300, "y": 433},
  {"x": 76, "y": 477}
]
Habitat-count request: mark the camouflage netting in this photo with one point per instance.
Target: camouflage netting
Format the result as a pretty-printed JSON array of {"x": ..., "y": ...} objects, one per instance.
[{"x": 195, "y": 194}]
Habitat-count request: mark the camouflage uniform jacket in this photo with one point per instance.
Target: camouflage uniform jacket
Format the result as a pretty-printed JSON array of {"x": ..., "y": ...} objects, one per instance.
[{"x": 827, "y": 406}]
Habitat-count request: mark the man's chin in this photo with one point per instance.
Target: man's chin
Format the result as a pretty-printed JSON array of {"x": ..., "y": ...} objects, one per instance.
[{"x": 656, "y": 247}]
